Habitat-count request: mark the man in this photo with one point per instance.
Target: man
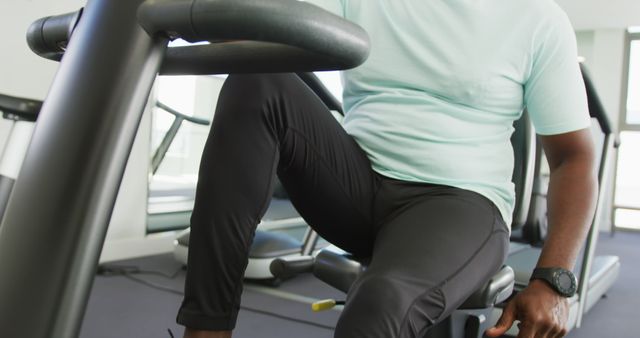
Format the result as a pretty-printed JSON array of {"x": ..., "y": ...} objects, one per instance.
[{"x": 418, "y": 174}]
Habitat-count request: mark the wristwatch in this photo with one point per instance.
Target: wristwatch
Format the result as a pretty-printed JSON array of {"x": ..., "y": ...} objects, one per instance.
[{"x": 561, "y": 280}]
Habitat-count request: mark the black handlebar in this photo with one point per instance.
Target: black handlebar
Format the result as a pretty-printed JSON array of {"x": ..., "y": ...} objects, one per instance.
[
  {"x": 48, "y": 36},
  {"x": 245, "y": 35},
  {"x": 269, "y": 36},
  {"x": 177, "y": 114},
  {"x": 20, "y": 108},
  {"x": 596, "y": 108},
  {"x": 159, "y": 154}
]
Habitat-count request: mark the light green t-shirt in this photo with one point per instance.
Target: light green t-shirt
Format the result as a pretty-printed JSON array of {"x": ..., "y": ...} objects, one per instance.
[{"x": 436, "y": 100}]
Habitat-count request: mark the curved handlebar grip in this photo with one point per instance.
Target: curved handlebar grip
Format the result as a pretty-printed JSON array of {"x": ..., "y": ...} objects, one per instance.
[
  {"x": 277, "y": 35},
  {"x": 48, "y": 36},
  {"x": 596, "y": 107}
]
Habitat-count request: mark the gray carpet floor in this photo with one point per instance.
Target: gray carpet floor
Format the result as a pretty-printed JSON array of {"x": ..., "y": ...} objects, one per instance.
[{"x": 144, "y": 305}]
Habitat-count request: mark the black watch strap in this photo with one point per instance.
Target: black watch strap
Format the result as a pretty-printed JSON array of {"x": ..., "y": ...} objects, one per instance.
[{"x": 561, "y": 280}]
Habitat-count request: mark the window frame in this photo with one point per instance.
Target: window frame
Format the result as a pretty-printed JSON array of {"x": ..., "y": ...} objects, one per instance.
[{"x": 623, "y": 125}]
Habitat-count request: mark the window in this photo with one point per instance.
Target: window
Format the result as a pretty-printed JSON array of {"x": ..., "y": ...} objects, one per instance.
[
  {"x": 172, "y": 186},
  {"x": 633, "y": 92},
  {"x": 627, "y": 195}
]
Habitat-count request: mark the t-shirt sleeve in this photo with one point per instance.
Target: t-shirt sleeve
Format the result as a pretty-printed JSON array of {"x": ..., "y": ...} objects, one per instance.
[
  {"x": 333, "y": 6},
  {"x": 554, "y": 93}
]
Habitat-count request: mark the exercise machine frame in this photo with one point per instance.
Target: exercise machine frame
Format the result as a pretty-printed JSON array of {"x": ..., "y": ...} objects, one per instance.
[{"x": 57, "y": 217}]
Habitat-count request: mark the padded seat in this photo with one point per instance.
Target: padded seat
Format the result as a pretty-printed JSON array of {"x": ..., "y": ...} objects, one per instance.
[{"x": 340, "y": 270}]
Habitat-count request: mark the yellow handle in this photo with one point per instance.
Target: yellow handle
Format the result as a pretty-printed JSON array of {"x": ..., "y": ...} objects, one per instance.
[{"x": 322, "y": 305}]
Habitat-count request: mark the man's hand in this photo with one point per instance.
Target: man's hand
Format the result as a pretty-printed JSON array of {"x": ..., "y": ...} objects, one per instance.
[{"x": 542, "y": 313}]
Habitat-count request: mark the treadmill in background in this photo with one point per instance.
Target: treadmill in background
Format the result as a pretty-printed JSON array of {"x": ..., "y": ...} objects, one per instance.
[{"x": 16, "y": 126}]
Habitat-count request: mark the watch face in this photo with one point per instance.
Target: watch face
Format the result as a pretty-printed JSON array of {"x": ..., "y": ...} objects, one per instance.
[{"x": 565, "y": 282}]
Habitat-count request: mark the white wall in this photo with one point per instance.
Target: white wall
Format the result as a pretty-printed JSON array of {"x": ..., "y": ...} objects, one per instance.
[
  {"x": 603, "y": 50},
  {"x": 599, "y": 14},
  {"x": 5, "y": 129},
  {"x": 22, "y": 73}
]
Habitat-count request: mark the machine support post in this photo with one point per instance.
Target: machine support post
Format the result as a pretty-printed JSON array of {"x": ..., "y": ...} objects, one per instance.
[
  {"x": 594, "y": 231},
  {"x": 57, "y": 218}
]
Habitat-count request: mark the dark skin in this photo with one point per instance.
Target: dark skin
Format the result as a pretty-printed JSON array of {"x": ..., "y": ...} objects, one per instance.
[{"x": 542, "y": 312}]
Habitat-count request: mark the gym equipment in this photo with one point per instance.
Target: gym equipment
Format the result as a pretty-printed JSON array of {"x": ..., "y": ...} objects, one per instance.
[
  {"x": 20, "y": 115},
  {"x": 269, "y": 242},
  {"x": 170, "y": 208},
  {"x": 56, "y": 227},
  {"x": 596, "y": 274},
  {"x": 339, "y": 269},
  {"x": 170, "y": 135}
]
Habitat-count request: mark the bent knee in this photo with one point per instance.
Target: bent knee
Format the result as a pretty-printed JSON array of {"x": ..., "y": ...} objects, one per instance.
[
  {"x": 257, "y": 86},
  {"x": 384, "y": 305},
  {"x": 253, "y": 99}
]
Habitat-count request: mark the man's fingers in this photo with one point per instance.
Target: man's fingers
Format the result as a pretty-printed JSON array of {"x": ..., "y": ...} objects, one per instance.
[
  {"x": 505, "y": 321},
  {"x": 558, "y": 331},
  {"x": 526, "y": 331}
]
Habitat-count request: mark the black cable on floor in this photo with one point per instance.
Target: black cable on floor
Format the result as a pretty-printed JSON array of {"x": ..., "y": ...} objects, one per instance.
[
  {"x": 153, "y": 285},
  {"x": 118, "y": 270},
  {"x": 129, "y": 272}
]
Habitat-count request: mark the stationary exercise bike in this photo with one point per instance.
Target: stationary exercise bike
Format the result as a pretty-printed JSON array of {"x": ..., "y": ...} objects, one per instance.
[
  {"x": 18, "y": 120},
  {"x": 110, "y": 53}
]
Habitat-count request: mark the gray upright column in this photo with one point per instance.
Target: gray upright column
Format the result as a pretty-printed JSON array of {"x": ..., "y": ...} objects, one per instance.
[{"x": 56, "y": 221}]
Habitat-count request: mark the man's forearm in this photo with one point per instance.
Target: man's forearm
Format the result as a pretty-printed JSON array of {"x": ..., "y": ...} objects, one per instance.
[{"x": 571, "y": 203}]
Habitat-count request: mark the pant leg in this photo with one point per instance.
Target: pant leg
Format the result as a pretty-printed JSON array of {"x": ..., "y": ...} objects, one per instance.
[
  {"x": 268, "y": 124},
  {"x": 434, "y": 248}
]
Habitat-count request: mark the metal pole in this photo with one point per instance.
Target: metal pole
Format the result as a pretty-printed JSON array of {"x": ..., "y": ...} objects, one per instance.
[
  {"x": 56, "y": 220},
  {"x": 592, "y": 237},
  {"x": 309, "y": 242},
  {"x": 165, "y": 144}
]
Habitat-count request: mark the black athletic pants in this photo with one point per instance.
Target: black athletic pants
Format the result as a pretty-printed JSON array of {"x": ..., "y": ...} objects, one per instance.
[{"x": 431, "y": 245}]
